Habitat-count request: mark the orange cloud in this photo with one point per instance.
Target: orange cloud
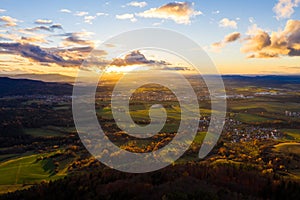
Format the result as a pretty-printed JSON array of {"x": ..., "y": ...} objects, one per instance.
[
  {"x": 179, "y": 12},
  {"x": 257, "y": 42},
  {"x": 9, "y": 21},
  {"x": 33, "y": 40},
  {"x": 281, "y": 43},
  {"x": 232, "y": 37}
]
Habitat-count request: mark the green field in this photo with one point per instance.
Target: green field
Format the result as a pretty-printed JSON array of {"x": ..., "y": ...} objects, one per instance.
[
  {"x": 49, "y": 131},
  {"x": 292, "y": 134},
  {"x": 39, "y": 132},
  {"x": 27, "y": 170},
  {"x": 5, "y": 157},
  {"x": 141, "y": 111},
  {"x": 251, "y": 118},
  {"x": 271, "y": 105},
  {"x": 62, "y": 108}
]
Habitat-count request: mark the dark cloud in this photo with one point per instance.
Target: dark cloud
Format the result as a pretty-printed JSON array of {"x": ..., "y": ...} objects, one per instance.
[
  {"x": 38, "y": 54},
  {"x": 294, "y": 52},
  {"x": 135, "y": 58},
  {"x": 76, "y": 39},
  {"x": 45, "y": 28},
  {"x": 56, "y": 26}
]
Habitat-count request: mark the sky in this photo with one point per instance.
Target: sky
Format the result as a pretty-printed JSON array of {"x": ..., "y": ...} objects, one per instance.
[{"x": 241, "y": 37}]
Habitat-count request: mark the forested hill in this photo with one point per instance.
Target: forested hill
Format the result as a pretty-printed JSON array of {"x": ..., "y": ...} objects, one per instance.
[
  {"x": 278, "y": 81},
  {"x": 14, "y": 87}
]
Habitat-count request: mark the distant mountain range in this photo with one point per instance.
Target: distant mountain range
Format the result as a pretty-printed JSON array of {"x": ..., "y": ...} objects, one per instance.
[
  {"x": 278, "y": 81},
  {"x": 57, "y": 78},
  {"x": 57, "y": 84},
  {"x": 264, "y": 78},
  {"x": 14, "y": 87}
]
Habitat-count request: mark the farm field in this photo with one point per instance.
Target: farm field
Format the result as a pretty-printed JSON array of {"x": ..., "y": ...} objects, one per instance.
[
  {"x": 292, "y": 134},
  {"x": 251, "y": 118},
  {"x": 50, "y": 131},
  {"x": 21, "y": 172}
]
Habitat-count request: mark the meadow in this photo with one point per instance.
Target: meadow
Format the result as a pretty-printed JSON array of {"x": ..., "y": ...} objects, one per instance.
[{"x": 21, "y": 172}]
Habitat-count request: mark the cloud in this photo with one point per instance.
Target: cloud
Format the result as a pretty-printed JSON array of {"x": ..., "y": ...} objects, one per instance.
[
  {"x": 179, "y": 12},
  {"x": 56, "y": 26},
  {"x": 78, "y": 38},
  {"x": 34, "y": 39},
  {"x": 281, "y": 43},
  {"x": 126, "y": 16},
  {"x": 285, "y": 8},
  {"x": 225, "y": 22},
  {"x": 74, "y": 56},
  {"x": 8, "y": 36},
  {"x": 257, "y": 42},
  {"x": 8, "y": 21},
  {"x": 39, "y": 28},
  {"x": 89, "y": 19},
  {"x": 81, "y": 53},
  {"x": 70, "y": 57},
  {"x": 45, "y": 28},
  {"x": 158, "y": 23},
  {"x": 43, "y": 21},
  {"x": 30, "y": 51},
  {"x": 216, "y": 12},
  {"x": 232, "y": 37},
  {"x": 2, "y": 10},
  {"x": 101, "y": 14},
  {"x": 175, "y": 68},
  {"x": 251, "y": 20},
  {"x": 263, "y": 55},
  {"x": 65, "y": 11},
  {"x": 216, "y": 47},
  {"x": 81, "y": 13},
  {"x": 137, "y": 4},
  {"x": 136, "y": 58}
]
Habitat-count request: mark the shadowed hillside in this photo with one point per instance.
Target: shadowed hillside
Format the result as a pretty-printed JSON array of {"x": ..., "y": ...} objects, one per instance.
[{"x": 15, "y": 87}]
